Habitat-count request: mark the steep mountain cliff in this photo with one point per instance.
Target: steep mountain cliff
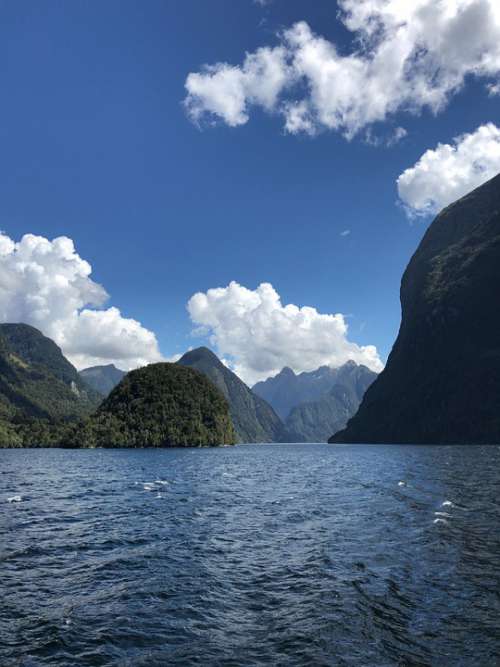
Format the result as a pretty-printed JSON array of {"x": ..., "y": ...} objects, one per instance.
[
  {"x": 315, "y": 421},
  {"x": 102, "y": 378},
  {"x": 253, "y": 419},
  {"x": 442, "y": 380}
]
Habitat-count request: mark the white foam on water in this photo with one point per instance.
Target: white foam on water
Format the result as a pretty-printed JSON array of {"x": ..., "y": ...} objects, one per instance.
[
  {"x": 158, "y": 495},
  {"x": 447, "y": 503},
  {"x": 443, "y": 521},
  {"x": 401, "y": 483},
  {"x": 163, "y": 482},
  {"x": 443, "y": 514},
  {"x": 14, "y": 499},
  {"x": 149, "y": 486}
]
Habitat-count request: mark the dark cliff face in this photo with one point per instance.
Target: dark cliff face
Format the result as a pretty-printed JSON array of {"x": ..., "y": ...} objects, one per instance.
[
  {"x": 253, "y": 419},
  {"x": 442, "y": 379}
]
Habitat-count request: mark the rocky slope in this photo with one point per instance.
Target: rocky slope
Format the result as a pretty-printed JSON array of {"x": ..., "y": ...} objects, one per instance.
[
  {"x": 253, "y": 419},
  {"x": 102, "y": 378},
  {"x": 442, "y": 380}
]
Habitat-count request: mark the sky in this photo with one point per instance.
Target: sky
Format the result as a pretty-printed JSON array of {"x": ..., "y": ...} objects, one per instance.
[{"x": 254, "y": 176}]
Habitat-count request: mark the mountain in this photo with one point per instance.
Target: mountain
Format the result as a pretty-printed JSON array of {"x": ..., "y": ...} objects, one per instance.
[
  {"x": 160, "y": 405},
  {"x": 37, "y": 380},
  {"x": 102, "y": 378},
  {"x": 253, "y": 419},
  {"x": 38, "y": 386},
  {"x": 442, "y": 379},
  {"x": 315, "y": 421},
  {"x": 286, "y": 390}
]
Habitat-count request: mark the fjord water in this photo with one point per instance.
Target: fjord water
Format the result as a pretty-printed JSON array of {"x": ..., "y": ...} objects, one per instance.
[{"x": 252, "y": 555}]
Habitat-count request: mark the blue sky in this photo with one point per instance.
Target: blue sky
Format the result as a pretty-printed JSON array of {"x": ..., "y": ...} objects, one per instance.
[{"x": 96, "y": 145}]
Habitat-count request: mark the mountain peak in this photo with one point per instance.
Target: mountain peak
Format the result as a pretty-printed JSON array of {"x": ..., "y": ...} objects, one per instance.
[
  {"x": 199, "y": 354},
  {"x": 253, "y": 418}
]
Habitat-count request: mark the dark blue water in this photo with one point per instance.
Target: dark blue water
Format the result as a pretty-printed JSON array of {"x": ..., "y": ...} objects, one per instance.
[{"x": 253, "y": 555}]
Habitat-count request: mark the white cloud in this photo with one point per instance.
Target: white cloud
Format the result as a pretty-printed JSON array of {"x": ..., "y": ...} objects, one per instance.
[
  {"x": 345, "y": 232},
  {"x": 398, "y": 134},
  {"x": 450, "y": 171},
  {"x": 227, "y": 92},
  {"x": 260, "y": 336},
  {"x": 407, "y": 56},
  {"x": 48, "y": 285}
]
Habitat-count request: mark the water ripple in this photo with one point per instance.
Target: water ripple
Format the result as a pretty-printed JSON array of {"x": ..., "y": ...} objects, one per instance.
[{"x": 256, "y": 555}]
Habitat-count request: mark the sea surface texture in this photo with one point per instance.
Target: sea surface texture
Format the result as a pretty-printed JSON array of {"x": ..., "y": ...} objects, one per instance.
[{"x": 252, "y": 555}]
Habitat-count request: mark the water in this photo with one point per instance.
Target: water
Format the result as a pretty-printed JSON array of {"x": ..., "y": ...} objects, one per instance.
[{"x": 253, "y": 555}]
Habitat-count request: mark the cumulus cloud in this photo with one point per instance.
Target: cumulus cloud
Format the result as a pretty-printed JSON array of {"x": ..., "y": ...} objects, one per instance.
[
  {"x": 48, "y": 285},
  {"x": 228, "y": 92},
  {"x": 407, "y": 56},
  {"x": 449, "y": 171},
  {"x": 260, "y": 336}
]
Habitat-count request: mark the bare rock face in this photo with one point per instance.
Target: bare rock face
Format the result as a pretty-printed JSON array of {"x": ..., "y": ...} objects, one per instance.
[{"x": 442, "y": 379}]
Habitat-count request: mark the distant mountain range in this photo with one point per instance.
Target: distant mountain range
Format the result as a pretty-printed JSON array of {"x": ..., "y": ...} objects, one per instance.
[
  {"x": 102, "y": 378},
  {"x": 442, "y": 379},
  {"x": 315, "y": 404},
  {"x": 287, "y": 390},
  {"x": 315, "y": 421},
  {"x": 253, "y": 418}
]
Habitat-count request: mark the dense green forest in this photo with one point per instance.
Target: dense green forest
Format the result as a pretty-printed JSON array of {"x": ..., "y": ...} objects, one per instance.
[{"x": 44, "y": 402}]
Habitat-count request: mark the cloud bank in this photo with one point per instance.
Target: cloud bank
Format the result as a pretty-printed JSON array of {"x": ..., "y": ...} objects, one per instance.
[
  {"x": 450, "y": 171},
  {"x": 261, "y": 336},
  {"x": 47, "y": 284},
  {"x": 409, "y": 56}
]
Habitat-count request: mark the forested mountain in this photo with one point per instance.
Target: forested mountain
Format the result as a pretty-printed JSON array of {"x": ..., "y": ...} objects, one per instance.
[
  {"x": 29, "y": 344},
  {"x": 37, "y": 384},
  {"x": 160, "y": 405},
  {"x": 253, "y": 419}
]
